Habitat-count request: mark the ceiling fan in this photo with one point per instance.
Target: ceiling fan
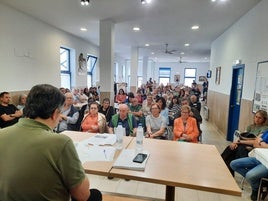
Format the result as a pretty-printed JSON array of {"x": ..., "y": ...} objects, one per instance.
[{"x": 169, "y": 51}]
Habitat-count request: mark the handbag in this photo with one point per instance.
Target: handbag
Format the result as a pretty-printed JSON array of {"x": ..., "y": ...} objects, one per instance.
[{"x": 247, "y": 136}]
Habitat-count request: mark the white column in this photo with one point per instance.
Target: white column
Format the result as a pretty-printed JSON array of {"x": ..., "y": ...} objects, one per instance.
[
  {"x": 144, "y": 69},
  {"x": 134, "y": 69},
  {"x": 107, "y": 59}
]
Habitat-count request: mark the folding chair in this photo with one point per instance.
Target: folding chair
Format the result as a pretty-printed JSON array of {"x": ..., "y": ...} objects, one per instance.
[{"x": 263, "y": 189}]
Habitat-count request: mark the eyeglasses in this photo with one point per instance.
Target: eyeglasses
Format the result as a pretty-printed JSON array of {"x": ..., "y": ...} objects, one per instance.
[
  {"x": 185, "y": 112},
  {"x": 154, "y": 108}
]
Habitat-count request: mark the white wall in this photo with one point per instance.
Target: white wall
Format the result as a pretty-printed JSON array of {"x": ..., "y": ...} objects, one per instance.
[
  {"x": 29, "y": 51},
  {"x": 178, "y": 68},
  {"x": 245, "y": 40}
]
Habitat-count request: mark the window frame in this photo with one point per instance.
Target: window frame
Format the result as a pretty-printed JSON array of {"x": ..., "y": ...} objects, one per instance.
[
  {"x": 163, "y": 75},
  {"x": 66, "y": 72},
  {"x": 190, "y": 77}
]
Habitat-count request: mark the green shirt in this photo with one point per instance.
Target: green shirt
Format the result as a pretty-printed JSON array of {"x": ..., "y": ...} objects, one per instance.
[
  {"x": 36, "y": 164},
  {"x": 256, "y": 130}
]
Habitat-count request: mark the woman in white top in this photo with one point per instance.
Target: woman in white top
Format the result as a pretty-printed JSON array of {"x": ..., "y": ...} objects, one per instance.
[{"x": 156, "y": 123}]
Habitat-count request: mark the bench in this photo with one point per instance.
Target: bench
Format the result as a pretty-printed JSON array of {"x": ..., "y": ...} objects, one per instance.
[{"x": 125, "y": 197}]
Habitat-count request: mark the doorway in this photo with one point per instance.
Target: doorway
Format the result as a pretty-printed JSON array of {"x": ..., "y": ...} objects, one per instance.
[{"x": 235, "y": 100}]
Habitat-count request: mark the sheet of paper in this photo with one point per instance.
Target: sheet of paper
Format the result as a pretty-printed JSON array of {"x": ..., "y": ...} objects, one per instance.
[
  {"x": 94, "y": 153},
  {"x": 102, "y": 139},
  {"x": 125, "y": 160}
]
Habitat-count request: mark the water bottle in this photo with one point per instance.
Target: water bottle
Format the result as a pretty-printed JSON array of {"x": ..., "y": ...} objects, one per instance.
[
  {"x": 119, "y": 132},
  {"x": 139, "y": 139}
]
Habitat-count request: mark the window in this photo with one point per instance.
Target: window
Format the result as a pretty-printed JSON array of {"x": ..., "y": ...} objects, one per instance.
[
  {"x": 91, "y": 63},
  {"x": 164, "y": 75},
  {"x": 139, "y": 81},
  {"x": 189, "y": 76},
  {"x": 65, "y": 71}
]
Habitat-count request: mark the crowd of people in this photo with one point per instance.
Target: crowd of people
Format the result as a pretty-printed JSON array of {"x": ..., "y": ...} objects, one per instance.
[{"x": 156, "y": 108}]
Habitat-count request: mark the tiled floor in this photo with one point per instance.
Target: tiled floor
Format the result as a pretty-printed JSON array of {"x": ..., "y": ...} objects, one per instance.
[{"x": 210, "y": 136}]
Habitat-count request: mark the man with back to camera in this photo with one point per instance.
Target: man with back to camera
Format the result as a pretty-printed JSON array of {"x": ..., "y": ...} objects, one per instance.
[
  {"x": 37, "y": 164},
  {"x": 9, "y": 113}
]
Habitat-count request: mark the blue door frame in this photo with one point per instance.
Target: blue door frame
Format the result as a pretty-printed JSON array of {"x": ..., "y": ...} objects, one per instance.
[{"x": 235, "y": 100}]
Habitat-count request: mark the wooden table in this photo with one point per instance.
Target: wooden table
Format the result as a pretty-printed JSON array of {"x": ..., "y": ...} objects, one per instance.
[
  {"x": 173, "y": 164},
  {"x": 102, "y": 168},
  {"x": 180, "y": 164}
]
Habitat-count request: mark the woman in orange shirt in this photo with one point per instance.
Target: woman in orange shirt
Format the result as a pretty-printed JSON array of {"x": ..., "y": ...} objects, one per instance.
[
  {"x": 94, "y": 122},
  {"x": 185, "y": 127}
]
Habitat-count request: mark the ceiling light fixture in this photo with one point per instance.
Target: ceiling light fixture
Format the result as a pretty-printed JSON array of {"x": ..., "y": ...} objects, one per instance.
[
  {"x": 136, "y": 29},
  {"x": 83, "y": 29},
  {"x": 146, "y": 1},
  {"x": 147, "y": 45},
  {"x": 195, "y": 27},
  {"x": 186, "y": 44},
  {"x": 85, "y": 2}
]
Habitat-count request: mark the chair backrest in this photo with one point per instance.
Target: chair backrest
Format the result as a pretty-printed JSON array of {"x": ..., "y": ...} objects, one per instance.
[{"x": 236, "y": 135}]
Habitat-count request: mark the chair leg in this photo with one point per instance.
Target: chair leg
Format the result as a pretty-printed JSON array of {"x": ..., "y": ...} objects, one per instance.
[
  {"x": 262, "y": 192},
  {"x": 242, "y": 183}
]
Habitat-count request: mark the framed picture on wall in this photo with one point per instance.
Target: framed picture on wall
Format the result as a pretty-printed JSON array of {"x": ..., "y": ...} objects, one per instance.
[
  {"x": 209, "y": 74},
  {"x": 202, "y": 78},
  {"x": 177, "y": 78},
  {"x": 218, "y": 75}
]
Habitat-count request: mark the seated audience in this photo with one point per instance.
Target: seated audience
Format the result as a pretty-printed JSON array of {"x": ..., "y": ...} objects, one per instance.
[
  {"x": 22, "y": 101},
  {"x": 239, "y": 150},
  {"x": 69, "y": 115},
  {"x": 9, "y": 113},
  {"x": 31, "y": 147},
  {"x": 75, "y": 92},
  {"x": 84, "y": 110},
  {"x": 130, "y": 96},
  {"x": 139, "y": 96},
  {"x": 94, "y": 121},
  {"x": 195, "y": 90},
  {"x": 164, "y": 110},
  {"x": 136, "y": 109},
  {"x": 128, "y": 121},
  {"x": 146, "y": 105},
  {"x": 82, "y": 96},
  {"x": 156, "y": 123},
  {"x": 174, "y": 109},
  {"x": 185, "y": 127},
  {"x": 251, "y": 168},
  {"x": 107, "y": 109},
  {"x": 194, "y": 102},
  {"x": 194, "y": 112},
  {"x": 121, "y": 96}
]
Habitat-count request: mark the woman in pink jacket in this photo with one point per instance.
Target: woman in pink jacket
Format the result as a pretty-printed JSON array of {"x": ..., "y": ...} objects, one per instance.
[{"x": 185, "y": 127}]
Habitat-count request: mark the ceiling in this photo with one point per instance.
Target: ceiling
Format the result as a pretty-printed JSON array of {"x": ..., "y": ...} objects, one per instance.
[{"x": 161, "y": 22}]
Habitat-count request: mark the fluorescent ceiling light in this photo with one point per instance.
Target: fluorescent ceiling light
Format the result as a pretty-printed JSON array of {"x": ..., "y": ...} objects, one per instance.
[
  {"x": 195, "y": 27},
  {"x": 147, "y": 45},
  {"x": 136, "y": 29},
  {"x": 182, "y": 53},
  {"x": 83, "y": 29},
  {"x": 186, "y": 44}
]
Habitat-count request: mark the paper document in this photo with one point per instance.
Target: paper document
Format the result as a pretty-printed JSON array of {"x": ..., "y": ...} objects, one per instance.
[
  {"x": 102, "y": 139},
  {"x": 125, "y": 160},
  {"x": 88, "y": 152}
]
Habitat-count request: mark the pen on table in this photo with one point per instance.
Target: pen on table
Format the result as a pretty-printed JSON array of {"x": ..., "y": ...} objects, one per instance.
[{"x": 104, "y": 154}]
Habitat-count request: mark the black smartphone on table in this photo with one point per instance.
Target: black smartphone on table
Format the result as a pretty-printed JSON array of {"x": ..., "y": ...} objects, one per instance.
[{"x": 139, "y": 158}]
